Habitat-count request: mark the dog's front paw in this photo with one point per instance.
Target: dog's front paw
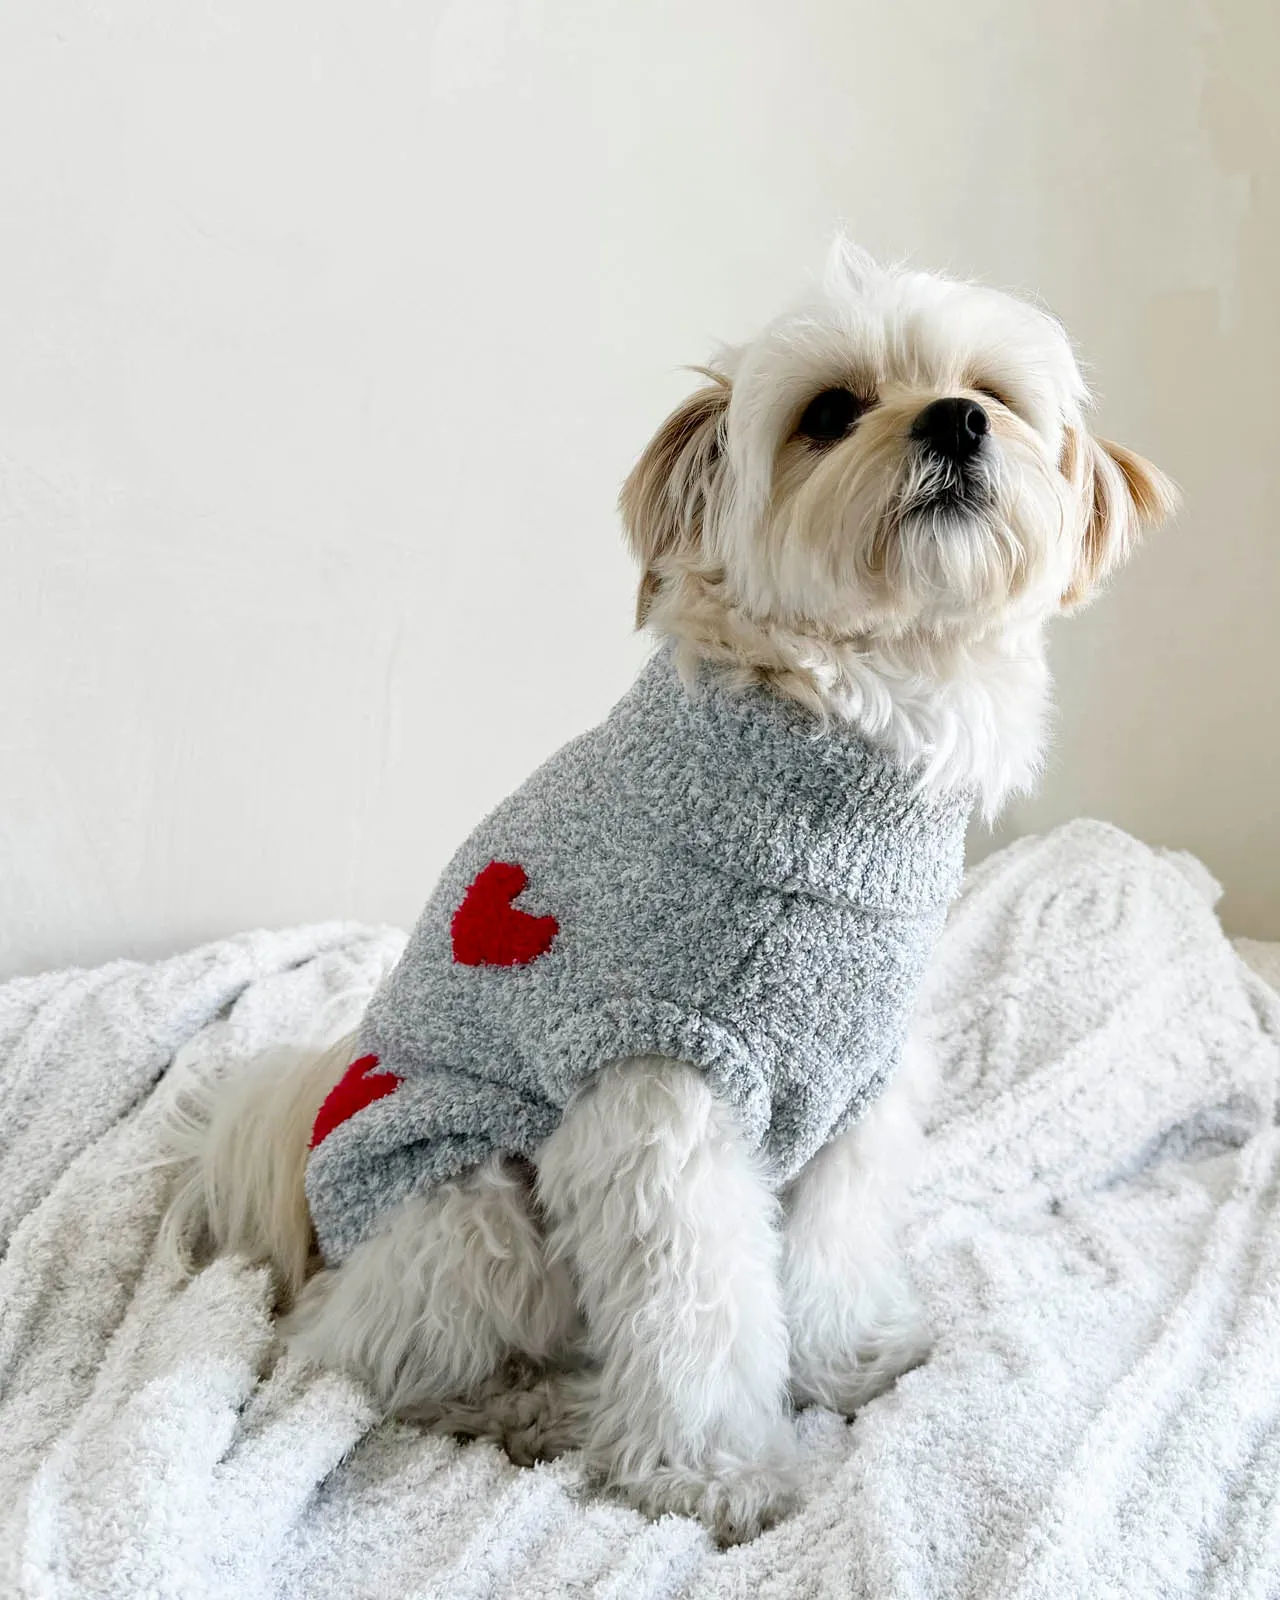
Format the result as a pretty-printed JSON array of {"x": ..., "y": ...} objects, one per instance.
[
  {"x": 846, "y": 1382},
  {"x": 734, "y": 1501}
]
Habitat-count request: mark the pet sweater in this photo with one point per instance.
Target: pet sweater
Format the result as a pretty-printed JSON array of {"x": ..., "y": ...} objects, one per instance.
[{"x": 710, "y": 875}]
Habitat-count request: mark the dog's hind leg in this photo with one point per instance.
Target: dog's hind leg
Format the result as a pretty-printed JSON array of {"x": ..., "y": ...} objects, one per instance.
[{"x": 431, "y": 1308}]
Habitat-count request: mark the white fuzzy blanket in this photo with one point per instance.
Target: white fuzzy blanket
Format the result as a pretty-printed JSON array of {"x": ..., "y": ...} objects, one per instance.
[{"x": 1098, "y": 1241}]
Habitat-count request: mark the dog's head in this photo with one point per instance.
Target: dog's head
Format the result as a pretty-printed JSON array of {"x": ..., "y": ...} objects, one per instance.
[{"x": 903, "y": 456}]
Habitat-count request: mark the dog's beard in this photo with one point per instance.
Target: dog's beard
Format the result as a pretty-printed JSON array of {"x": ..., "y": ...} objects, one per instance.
[
  {"x": 934, "y": 486},
  {"x": 965, "y": 540}
]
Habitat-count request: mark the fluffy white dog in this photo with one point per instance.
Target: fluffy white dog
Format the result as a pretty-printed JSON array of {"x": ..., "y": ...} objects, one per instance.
[{"x": 867, "y": 515}]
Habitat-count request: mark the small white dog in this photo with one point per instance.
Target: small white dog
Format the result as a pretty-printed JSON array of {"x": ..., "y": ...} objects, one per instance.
[{"x": 867, "y": 516}]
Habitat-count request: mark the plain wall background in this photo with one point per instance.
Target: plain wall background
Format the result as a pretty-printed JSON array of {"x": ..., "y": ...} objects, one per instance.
[{"x": 328, "y": 331}]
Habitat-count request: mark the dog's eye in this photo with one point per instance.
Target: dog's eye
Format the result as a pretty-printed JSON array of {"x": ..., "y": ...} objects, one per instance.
[
  {"x": 830, "y": 415},
  {"x": 992, "y": 393}
]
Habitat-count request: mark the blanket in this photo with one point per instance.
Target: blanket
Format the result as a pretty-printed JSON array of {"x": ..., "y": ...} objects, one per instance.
[{"x": 1096, "y": 1237}]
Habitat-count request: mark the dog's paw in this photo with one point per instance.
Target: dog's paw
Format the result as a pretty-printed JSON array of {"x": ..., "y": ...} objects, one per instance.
[
  {"x": 734, "y": 1502},
  {"x": 534, "y": 1414},
  {"x": 845, "y": 1383},
  {"x": 543, "y": 1421}
]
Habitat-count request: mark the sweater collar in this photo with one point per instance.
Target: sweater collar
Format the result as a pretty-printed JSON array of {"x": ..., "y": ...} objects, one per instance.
[{"x": 756, "y": 785}]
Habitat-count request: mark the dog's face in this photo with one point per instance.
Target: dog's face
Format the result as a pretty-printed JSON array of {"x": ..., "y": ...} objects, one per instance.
[{"x": 904, "y": 455}]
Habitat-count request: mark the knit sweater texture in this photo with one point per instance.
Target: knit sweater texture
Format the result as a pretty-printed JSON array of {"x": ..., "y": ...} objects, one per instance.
[{"x": 710, "y": 875}]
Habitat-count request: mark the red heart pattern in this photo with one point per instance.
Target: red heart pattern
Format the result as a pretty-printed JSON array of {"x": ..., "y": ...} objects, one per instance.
[
  {"x": 488, "y": 931},
  {"x": 358, "y": 1087}
]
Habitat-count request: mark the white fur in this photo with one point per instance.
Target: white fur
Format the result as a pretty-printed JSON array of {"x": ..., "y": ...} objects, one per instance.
[
  {"x": 671, "y": 1230},
  {"x": 242, "y": 1149},
  {"x": 856, "y": 1324},
  {"x": 457, "y": 1284},
  {"x": 650, "y": 1299}
]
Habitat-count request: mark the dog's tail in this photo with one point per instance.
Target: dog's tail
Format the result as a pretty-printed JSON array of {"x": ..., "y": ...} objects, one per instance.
[{"x": 240, "y": 1145}]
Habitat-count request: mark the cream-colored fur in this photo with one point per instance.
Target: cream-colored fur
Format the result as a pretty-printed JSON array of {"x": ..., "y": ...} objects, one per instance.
[
  {"x": 645, "y": 1294},
  {"x": 242, "y": 1144}
]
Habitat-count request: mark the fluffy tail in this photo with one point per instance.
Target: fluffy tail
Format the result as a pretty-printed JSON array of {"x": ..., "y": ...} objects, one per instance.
[{"x": 241, "y": 1147}]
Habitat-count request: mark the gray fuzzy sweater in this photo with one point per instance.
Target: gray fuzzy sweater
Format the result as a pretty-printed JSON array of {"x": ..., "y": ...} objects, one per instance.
[{"x": 707, "y": 876}]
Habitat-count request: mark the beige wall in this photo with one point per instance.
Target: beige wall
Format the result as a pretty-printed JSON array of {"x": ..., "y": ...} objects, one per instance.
[{"x": 327, "y": 332}]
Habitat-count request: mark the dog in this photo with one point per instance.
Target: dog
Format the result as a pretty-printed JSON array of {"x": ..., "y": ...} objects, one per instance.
[{"x": 851, "y": 538}]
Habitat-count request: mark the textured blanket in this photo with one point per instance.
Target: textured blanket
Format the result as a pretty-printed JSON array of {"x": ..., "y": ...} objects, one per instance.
[{"x": 1097, "y": 1239}]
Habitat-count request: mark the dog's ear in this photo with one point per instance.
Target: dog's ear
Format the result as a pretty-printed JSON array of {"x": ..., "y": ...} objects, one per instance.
[
  {"x": 664, "y": 500},
  {"x": 1121, "y": 495}
]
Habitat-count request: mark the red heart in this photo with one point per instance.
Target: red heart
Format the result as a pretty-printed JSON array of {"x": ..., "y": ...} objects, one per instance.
[
  {"x": 488, "y": 931},
  {"x": 354, "y": 1090}
]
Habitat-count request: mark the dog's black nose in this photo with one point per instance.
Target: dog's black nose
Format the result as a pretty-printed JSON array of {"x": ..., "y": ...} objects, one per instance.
[{"x": 952, "y": 429}]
